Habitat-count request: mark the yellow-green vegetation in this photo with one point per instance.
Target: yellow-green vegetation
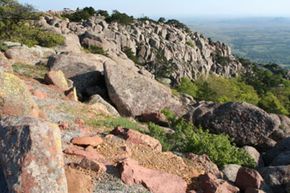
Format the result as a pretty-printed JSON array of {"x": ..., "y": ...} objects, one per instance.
[
  {"x": 188, "y": 138},
  {"x": 37, "y": 71},
  {"x": 16, "y": 25},
  {"x": 130, "y": 54},
  {"x": 270, "y": 83},
  {"x": 112, "y": 122},
  {"x": 219, "y": 89},
  {"x": 96, "y": 50},
  {"x": 190, "y": 43}
]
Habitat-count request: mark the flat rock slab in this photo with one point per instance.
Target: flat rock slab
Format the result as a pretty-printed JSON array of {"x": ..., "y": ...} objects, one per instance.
[
  {"x": 134, "y": 94},
  {"x": 155, "y": 181}
]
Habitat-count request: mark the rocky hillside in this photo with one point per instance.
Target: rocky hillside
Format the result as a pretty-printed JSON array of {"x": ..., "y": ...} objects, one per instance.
[
  {"x": 84, "y": 118},
  {"x": 164, "y": 50}
]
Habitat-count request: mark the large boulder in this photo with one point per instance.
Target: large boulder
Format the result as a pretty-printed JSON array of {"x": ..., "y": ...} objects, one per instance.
[
  {"x": 31, "y": 155},
  {"x": 245, "y": 123},
  {"x": 277, "y": 177},
  {"x": 24, "y": 55},
  {"x": 85, "y": 70},
  {"x": 155, "y": 181},
  {"x": 134, "y": 94},
  {"x": 230, "y": 172},
  {"x": 248, "y": 178},
  {"x": 279, "y": 154},
  {"x": 211, "y": 184},
  {"x": 15, "y": 98}
]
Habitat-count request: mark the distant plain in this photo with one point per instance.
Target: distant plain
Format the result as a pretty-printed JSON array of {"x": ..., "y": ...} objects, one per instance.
[{"x": 263, "y": 40}]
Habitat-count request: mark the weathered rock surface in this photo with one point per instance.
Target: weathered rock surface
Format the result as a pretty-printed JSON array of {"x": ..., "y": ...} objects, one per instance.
[
  {"x": 27, "y": 162},
  {"x": 25, "y": 55},
  {"x": 248, "y": 178},
  {"x": 78, "y": 182},
  {"x": 137, "y": 138},
  {"x": 245, "y": 123},
  {"x": 277, "y": 177},
  {"x": 134, "y": 94},
  {"x": 58, "y": 79},
  {"x": 278, "y": 153},
  {"x": 155, "y": 181},
  {"x": 83, "y": 69},
  {"x": 97, "y": 100},
  {"x": 210, "y": 184},
  {"x": 254, "y": 154},
  {"x": 15, "y": 98},
  {"x": 231, "y": 171},
  {"x": 157, "y": 118},
  {"x": 5, "y": 64},
  {"x": 87, "y": 141},
  {"x": 208, "y": 165}
]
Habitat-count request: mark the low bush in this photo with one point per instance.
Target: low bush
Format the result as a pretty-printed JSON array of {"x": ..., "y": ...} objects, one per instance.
[
  {"x": 81, "y": 14},
  {"x": 96, "y": 50},
  {"x": 190, "y": 43},
  {"x": 270, "y": 103},
  {"x": 36, "y": 71},
  {"x": 188, "y": 138},
  {"x": 178, "y": 24},
  {"x": 16, "y": 25},
  {"x": 121, "y": 18},
  {"x": 130, "y": 54},
  {"x": 31, "y": 36},
  {"x": 219, "y": 89}
]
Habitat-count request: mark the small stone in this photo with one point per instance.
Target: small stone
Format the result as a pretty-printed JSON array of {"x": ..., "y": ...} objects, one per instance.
[
  {"x": 87, "y": 141},
  {"x": 93, "y": 165}
]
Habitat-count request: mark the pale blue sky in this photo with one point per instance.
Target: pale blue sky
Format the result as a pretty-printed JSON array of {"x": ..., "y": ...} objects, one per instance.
[{"x": 177, "y": 8}]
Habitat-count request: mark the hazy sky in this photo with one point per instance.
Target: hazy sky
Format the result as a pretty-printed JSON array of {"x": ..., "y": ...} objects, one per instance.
[{"x": 177, "y": 8}]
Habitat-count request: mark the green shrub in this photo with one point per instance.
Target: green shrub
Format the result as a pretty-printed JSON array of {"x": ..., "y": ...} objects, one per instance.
[
  {"x": 190, "y": 43},
  {"x": 271, "y": 104},
  {"x": 15, "y": 25},
  {"x": 145, "y": 18},
  {"x": 121, "y": 18},
  {"x": 188, "y": 87},
  {"x": 3, "y": 47},
  {"x": 187, "y": 138},
  {"x": 81, "y": 14},
  {"x": 31, "y": 36},
  {"x": 219, "y": 89},
  {"x": 178, "y": 24},
  {"x": 96, "y": 50},
  {"x": 36, "y": 71},
  {"x": 223, "y": 60},
  {"x": 130, "y": 54}
]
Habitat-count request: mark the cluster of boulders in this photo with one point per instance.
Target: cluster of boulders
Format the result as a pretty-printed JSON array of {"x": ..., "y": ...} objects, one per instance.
[
  {"x": 148, "y": 40},
  {"x": 48, "y": 143}
]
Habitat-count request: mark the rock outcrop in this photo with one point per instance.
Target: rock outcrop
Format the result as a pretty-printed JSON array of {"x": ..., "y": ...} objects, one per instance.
[{"x": 156, "y": 45}]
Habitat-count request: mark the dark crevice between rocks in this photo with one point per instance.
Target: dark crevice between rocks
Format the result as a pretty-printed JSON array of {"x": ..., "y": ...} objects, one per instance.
[
  {"x": 3, "y": 184},
  {"x": 95, "y": 86}
]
